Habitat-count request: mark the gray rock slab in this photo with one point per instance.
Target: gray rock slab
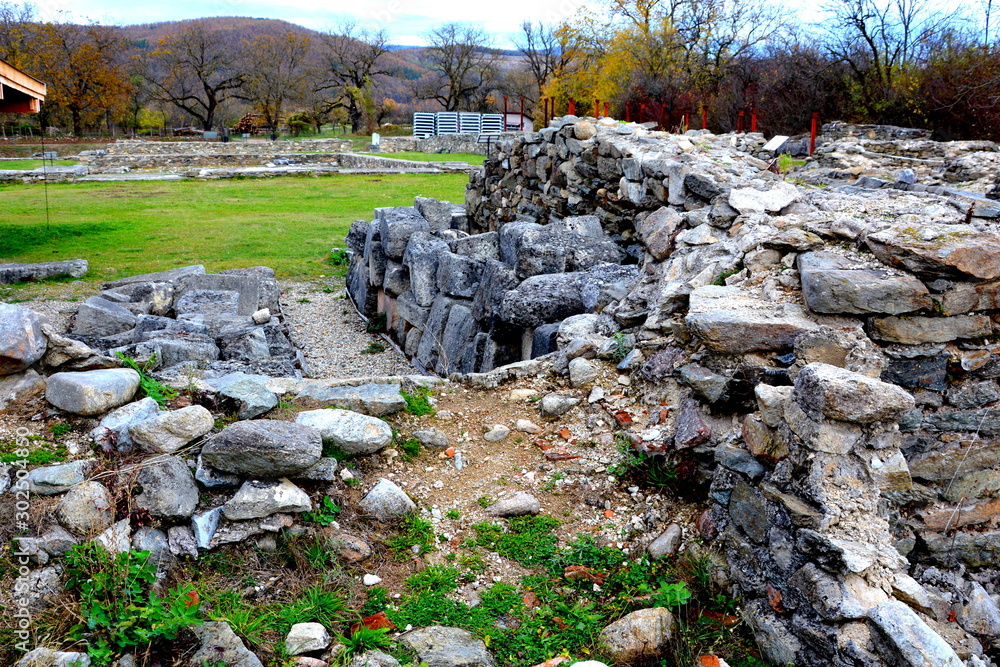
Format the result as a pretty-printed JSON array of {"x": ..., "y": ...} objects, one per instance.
[
  {"x": 91, "y": 393},
  {"x": 517, "y": 504},
  {"x": 851, "y": 397},
  {"x": 22, "y": 342},
  {"x": 833, "y": 284},
  {"x": 17, "y": 388},
  {"x": 169, "y": 276},
  {"x": 168, "y": 487},
  {"x": 249, "y": 392},
  {"x": 938, "y": 250},
  {"x": 731, "y": 321},
  {"x": 98, "y": 316},
  {"x": 910, "y": 640},
  {"x": 386, "y": 501},
  {"x": 258, "y": 499},
  {"x": 19, "y": 273},
  {"x": 169, "y": 431},
  {"x": 86, "y": 509},
  {"x": 919, "y": 330},
  {"x": 440, "y": 646},
  {"x": 53, "y": 480},
  {"x": 351, "y": 432},
  {"x": 542, "y": 299},
  {"x": 554, "y": 405},
  {"x": 113, "y": 431},
  {"x": 263, "y": 448},
  {"x": 47, "y": 657},
  {"x": 666, "y": 543},
  {"x": 641, "y": 633},
  {"x": 376, "y": 400},
  {"x": 218, "y": 643}
]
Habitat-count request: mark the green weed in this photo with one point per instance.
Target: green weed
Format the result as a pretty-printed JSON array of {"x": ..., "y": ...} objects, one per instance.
[
  {"x": 414, "y": 531},
  {"x": 418, "y": 402},
  {"x": 325, "y": 514},
  {"x": 148, "y": 385},
  {"x": 374, "y": 347}
]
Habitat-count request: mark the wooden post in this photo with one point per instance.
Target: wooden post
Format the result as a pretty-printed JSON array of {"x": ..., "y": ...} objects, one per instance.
[
  {"x": 753, "y": 120},
  {"x": 812, "y": 133},
  {"x": 522, "y": 115},
  {"x": 739, "y": 122},
  {"x": 572, "y": 107},
  {"x": 597, "y": 108},
  {"x": 606, "y": 107}
]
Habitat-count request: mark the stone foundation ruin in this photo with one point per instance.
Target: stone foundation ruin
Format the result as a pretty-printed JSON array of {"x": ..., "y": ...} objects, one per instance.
[{"x": 825, "y": 352}]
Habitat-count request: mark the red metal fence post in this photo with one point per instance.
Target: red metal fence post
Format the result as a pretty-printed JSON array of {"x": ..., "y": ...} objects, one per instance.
[
  {"x": 522, "y": 115},
  {"x": 753, "y": 120},
  {"x": 606, "y": 109},
  {"x": 572, "y": 107},
  {"x": 812, "y": 133},
  {"x": 704, "y": 118},
  {"x": 739, "y": 122}
]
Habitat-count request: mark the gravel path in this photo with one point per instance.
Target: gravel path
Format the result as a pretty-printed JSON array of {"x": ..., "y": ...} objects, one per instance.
[{"x": 332, "y": 335}]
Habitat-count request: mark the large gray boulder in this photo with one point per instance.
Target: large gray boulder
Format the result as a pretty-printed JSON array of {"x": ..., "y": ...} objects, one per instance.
[
  {"x": 909, "y": 639},
  {"x": 168, "y": 487},
  {"x": 421, "y": 256},
  {"x": 86, "y": 509},
  {"x": 643, "y": 633},
  {"x": 396, "y": 226},
  {"x": 377, "y": 400},
  {"x": 19, "y": 273},
  {"x": 351, "y": 432},
  {"x": 264, "y": 448},
  {"x": 541, "y": 300},
  {"x": 98, "y": 316},
  {"x": 169, "y": 431},
  {"x": 441, "y": 646},
  {"x": 22, "y": 342},
  {"x": 257, "y": 499},
  {"x": 843, "y": 395},
  {"x": 52, "y": 480},
  {"x": 938, "y": 250},
  {"x": 113, "y": 431},
  {"x": 92, "y": 392},
  {"x": 218, "y": 643},
  {"x": 731, "y": 321},
  {"x": 832, "y": 283},
  {"x": 562, "y": 247},
  {"x": 386, "y": 502},
  {"x": 248, "y": 392},
  {"x": 46, "y": 657},
  {"x": 152, "y": 298}
]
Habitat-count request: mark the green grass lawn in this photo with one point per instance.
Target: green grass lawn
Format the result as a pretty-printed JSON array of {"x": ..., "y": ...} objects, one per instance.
[
  {"x": 35, "y": 164},
  {"x": 471, "y": 158},
  {"x": 123, "y": 229}
]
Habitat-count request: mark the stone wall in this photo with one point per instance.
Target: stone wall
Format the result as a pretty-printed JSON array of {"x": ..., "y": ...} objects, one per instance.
[
  {"x": 180, "y": 162},
  {"x": 827, "y": 357},
  {"x": 446, "y": 143},
  {"x": 234, "y": 147}
]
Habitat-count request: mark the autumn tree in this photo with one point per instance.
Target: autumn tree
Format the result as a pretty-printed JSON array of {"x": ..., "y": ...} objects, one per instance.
[
  {"x": 547, "y": 51},
  {"x": 84, "y": 67},
  {"x": 463, "y": 67},
  {"x": 197, "y": 70},
  {"x": 16, "y": 34},
  {"x": 277, "y": 73},
  {"x": 352, "y": 58}
]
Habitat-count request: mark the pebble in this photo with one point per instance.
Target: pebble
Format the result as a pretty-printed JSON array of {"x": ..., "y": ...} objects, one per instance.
[
  {"x": 371, "y": 580},
  {"x": 596, "y": 395},
  {"x": 527, "y": 426},
  {"x": 624, "y": 380},
  {"x": 497, "y": 433}
]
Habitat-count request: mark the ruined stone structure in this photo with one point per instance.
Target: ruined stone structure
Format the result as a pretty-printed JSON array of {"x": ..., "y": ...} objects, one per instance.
[{"x": 827, "y": 354}]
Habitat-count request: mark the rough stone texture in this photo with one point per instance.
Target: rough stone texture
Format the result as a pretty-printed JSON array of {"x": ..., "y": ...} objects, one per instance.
[
  {"x": 218, "y": 643},
  {"x": 306, "y": 638},
  {"x": 541, "y": 300},
  {"x": 902, "y": 631},
  {"x": 918, "y": 330},
  {"x": 518, "y": 504},
  {"x": 86, "y": 509},
  {"x": 46, "y": 657},
  {"x": 833, "y": 284},
  {"x": 581, "y": 372},
  {"x": 99, "y": 316},
  {"x": 432, "y": 437},
  {"x": 22, "y": 342},
  {"x": 52, "y": 480},
  {"x": 846, "y": 396},
  {"x": 19, "y": 273},
  {"x": 751, "y": 200},
  {"x": 17, "y": 388},
  {"x": 554, "y": 405},
  {"x": 169, "y": 431},
  {"x": 92, "y": 392},
  {"x": 440, "y": 646},
  {"x": 113, "y": 431},
  {"x": 117, "y": 539},
  {"x": 373, "y": 659},
  {"x": 259, "y": 499},
  {"x": 386, "y": 501},
  {"x": 496, "y": 433},
  {"x": 730, "y": 321},
  {"x": 264, "y": 448},
  {"x": 643, "y": 633},
  {"x": 666, "y": 543},
  {"x": 168, "y": 487},
  {"x": 350, "y": 548},
  {"x": 351, "y": 432},
  {"x": 248, "y": 392},
  {"x": 936, "y": 251},
  {"x": 377, "y": 400}
]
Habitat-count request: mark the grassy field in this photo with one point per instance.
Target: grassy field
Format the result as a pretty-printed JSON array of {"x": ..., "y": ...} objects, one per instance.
[
  {"x": 471, "y": 158},
  {"x": 123, "y": 229},
  {"x": 35, "y": 164}
]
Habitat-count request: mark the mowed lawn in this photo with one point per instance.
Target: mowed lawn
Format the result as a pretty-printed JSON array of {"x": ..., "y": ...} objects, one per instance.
[{"x": 289, "y": 224}]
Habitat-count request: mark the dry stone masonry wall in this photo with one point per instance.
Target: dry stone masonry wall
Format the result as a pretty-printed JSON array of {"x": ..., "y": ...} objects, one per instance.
[{"x": 826, "y": 355}]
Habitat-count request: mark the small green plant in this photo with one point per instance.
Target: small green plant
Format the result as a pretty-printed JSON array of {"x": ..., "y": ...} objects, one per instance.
[
  {"x": 148, "y": 385},
  {"x": 672, "y": 595},
  {"x": 414, "y": 531},
  {"x": 485, "y": 501},
  {"x": 304, "y": 300},
  {"x": 60, "y": 430},
  {"x": 786, "y": 162},
  {"x": 621, "y": 347},
  {"x": 42, "y": 453},
  {"x": 325, "y": 514},
  {"x": 376, "y": 323},
  {"x": 721, "y": 280},
  {"x": 365, "y": 639},
  {"x": 378, "y": 600},
  {"x": 418, "y": 402},
  {"x": 410, "y": 448},
  {"x": 454, "y": 515},
  {"x": 339, "y": 257},
  {"x": 434, "y": 579},
  {"x": 374, "y": 347},
  {"x": 119, "y": 611}
]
